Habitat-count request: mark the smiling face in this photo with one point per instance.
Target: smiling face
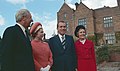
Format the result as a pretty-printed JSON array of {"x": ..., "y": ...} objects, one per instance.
[
  {"x": 40, "y": 34},
  {"x": 61, "y": 28},
  {"x": 81, "y": 34}
]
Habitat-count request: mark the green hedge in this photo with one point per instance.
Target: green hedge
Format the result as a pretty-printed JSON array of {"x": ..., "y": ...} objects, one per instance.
[
  {"x": 93, "y": 38},
  {"x": 102, "y": 54}
]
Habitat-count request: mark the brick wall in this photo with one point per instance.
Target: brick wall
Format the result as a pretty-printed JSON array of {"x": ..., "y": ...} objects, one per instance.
[
  {"x": 115, "y": 57},
  {"x": 94, "y": 18}
]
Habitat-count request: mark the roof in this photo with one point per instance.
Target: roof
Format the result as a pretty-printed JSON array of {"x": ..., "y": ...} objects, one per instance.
[{"x": 72, "y": 6}]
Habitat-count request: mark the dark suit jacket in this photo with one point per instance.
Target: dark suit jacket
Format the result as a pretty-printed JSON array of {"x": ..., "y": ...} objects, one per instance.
[
  {"x": 16, "y": 51},
  {"x": 63, "y": 59}
]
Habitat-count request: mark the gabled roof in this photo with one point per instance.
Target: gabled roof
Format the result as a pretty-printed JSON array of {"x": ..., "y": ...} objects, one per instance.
[
  {"x": 81, "y": 4},
  {"x": 105, "y": 7},
  {"x": 67, "y": 5},
  {"x": 72, "y": 6}
]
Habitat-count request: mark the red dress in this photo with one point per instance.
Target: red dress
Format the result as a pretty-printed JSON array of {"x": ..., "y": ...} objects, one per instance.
[
  {"x": 85, "y": 56},
  {"x": 42, "y": 54}
]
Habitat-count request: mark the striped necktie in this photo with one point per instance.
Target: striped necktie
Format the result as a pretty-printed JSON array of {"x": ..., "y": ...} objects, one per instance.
[{"x": 63, "y": 41}]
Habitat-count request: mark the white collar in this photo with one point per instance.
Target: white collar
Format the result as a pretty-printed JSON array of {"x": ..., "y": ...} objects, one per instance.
[
  {"x": 82, "y": 41},
  {"x": 23, "y": 29},
  {"x": 60, "y": 36}
]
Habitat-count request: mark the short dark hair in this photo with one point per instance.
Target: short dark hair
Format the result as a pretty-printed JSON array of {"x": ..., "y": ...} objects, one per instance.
[
  {"x": 77, "y": 29},
  {"x": 59, "y": 22}
]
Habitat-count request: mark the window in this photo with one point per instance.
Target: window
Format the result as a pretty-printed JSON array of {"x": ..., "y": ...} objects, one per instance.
[
  {"x": 108, "y": 21},
  {"x": 110, "y": 38},
  {"x": 67, "y": 26},
  {"x": 82, "y": 22},
  {"x": 65, "y": 15}
]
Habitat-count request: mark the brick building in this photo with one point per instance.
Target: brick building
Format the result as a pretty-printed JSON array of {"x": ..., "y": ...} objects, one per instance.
[{"x": 102, "y": 24}]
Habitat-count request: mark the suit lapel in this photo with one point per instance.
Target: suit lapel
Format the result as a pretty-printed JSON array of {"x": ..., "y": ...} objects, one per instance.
[
  {"x": 58, "y": 40},
  {"x": 60, "y": 44},
  {"x": 19, "y": 30},
  {"x": 22, "y": 35},
  {"x": 66, "y": 42}
]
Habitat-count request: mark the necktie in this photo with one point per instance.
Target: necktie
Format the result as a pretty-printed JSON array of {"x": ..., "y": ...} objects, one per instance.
[
  {"x": 63, "y": 42},
  {"x": 27, "y": 35}
]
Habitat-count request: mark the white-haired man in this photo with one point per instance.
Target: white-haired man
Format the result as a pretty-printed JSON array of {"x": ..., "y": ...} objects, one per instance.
[{"x": 16, "y": 47}]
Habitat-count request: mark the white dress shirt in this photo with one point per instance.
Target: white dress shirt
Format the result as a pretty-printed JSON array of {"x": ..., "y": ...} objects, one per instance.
[
  {"x": 60, "y": 36},
  {"x": 23, "y": 29}
]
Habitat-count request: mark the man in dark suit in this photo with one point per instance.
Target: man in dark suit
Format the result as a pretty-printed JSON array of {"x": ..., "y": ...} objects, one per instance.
[
  {"x": 0, "y": 51},
  {"x": 16, "y": 47},
  {"x": 64, "y": 56}
]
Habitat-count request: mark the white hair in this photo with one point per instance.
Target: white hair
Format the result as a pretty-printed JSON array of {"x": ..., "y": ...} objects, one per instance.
[{"x": 21, "y": 13}]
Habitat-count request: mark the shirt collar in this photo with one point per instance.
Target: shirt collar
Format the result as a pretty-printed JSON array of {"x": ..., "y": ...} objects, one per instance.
[
  {"x": 23, "y": 29},
  {"x": 82, "y": 41},
  {"x": 60, "y": 36}
]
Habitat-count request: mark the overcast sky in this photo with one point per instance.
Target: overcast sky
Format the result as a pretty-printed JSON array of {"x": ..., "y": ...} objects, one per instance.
[{"x": 44, "y": 11}]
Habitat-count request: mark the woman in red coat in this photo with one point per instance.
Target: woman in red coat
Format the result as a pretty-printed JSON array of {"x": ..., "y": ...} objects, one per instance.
[
  {"x": 41, "y": 51},
  {"x": 84, "y": 50}
]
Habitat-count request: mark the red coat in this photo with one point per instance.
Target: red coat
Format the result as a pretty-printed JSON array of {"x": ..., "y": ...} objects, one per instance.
[
  {"x": 42, "y": 54},
  {"x": 85, "y": 56}
]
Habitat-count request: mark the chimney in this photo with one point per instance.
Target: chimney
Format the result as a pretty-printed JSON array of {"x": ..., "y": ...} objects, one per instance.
[
  {"x": 80, "y": 1},
  {"x": 76, "y": 4},
  {"x": 118, "y": 2}
]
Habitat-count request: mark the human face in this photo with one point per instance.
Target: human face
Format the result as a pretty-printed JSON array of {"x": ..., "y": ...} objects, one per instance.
[
  {"x": 81, "y": 34},
  {"x": 40, "y": 34},
  {"x": 61, "y": 28},
  {"x": 28, "y": 20}
]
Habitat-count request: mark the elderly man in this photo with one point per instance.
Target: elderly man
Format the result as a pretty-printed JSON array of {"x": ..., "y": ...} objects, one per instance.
[{"x": 16, "y": 47}]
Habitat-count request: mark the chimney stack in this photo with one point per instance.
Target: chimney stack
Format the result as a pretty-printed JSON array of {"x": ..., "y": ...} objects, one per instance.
[{"x": 76, "y": 4}]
